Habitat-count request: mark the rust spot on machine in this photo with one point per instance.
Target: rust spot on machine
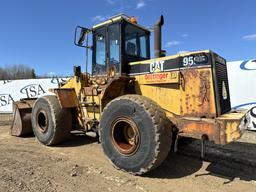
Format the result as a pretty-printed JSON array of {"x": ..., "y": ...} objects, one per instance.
[
  {"x": 221, "y": 130},
  {"x": 197, "y": 95}
]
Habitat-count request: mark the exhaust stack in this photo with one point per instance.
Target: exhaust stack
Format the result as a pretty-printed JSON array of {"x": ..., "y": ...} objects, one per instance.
[{"x": 158, "y": 37}]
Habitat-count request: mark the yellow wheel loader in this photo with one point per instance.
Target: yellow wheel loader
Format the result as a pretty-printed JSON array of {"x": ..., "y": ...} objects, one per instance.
[{"x": 135, "y": 104}]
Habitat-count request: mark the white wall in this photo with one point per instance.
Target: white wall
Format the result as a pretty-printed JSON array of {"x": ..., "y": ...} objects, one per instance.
[
  {"x": 29, "y": 88},
  {"x": 242, "y": 85}
]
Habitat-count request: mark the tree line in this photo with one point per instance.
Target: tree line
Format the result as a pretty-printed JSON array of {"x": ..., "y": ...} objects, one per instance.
[{"x": 18, "y": 71}]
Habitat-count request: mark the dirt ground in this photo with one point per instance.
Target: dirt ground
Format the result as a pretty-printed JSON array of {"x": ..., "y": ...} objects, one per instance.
[{"x": 80, "y": 165}]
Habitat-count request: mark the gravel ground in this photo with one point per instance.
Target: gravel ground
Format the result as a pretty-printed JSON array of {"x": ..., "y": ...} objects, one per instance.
[{"x": 80, "y": 165}]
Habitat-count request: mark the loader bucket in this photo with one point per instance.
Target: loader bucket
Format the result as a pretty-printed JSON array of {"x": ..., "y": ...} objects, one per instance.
[{"x": 21, "y": 124}]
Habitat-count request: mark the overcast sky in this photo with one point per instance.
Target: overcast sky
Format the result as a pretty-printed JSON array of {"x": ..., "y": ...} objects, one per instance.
[{"x": 39, "y": 33}]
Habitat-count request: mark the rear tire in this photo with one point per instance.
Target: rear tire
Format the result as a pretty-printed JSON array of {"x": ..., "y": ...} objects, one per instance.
[
  {"x": 51, "y": 124},
  {"x": 149, "y": 134}
]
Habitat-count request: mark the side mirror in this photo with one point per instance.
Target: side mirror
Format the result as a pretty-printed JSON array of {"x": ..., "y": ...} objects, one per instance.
[{"x": 80, "y": 34}]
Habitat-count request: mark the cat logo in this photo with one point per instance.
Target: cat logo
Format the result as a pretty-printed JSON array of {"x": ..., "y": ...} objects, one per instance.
[
  {"x": 157, "y": 66},
  {"x": 224, "y": 91}
]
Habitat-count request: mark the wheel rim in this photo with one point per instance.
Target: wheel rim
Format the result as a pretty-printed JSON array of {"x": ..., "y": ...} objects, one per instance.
[
  {"x": 42, "y": 121},
  {"x": 125, "y": 135}
]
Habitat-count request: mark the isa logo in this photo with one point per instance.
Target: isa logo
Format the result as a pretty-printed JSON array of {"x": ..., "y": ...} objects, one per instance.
[
  {"x": 248, "y": 65},
  {"x": 32, "y": 90},
  {"x": 5, "y": 99},
  {"x": 56, "y": 80}
]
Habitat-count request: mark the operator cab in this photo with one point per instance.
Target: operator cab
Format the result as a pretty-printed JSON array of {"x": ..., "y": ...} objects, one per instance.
[{"x": 117, "y": 42}]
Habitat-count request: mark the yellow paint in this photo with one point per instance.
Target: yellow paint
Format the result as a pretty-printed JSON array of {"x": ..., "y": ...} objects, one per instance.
[
  {"x": 73, "y": 83},
  {"x": 177, "y": 96},
  {"x": 89, "y": 109},
  {"x": 232, "y": 131},
  {"x": 166, "y": 95},
  {"x": 230, "y": 123}
]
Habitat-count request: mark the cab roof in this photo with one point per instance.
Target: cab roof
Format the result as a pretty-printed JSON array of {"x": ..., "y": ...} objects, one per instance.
[{"x": 117, "y": 18}]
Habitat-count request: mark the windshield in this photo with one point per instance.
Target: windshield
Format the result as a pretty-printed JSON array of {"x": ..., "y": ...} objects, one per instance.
[{"x": 135, "y": 42}]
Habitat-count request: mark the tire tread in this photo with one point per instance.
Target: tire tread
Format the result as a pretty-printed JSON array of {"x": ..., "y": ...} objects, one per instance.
[
  {"x": 62, "y": 120},
  {"x": 163, "y": 133}
]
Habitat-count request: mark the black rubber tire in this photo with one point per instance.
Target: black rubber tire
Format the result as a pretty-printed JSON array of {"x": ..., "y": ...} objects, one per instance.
[
  {"x": 58, "y": 120},
  {"x": 155, "y": 132}
]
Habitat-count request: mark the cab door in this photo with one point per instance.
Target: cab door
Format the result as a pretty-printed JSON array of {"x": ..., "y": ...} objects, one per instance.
[
  {"x": 107, "y": 48},
  {"x": 99, "y": 66},
  {"x": 114, "y": 49}
]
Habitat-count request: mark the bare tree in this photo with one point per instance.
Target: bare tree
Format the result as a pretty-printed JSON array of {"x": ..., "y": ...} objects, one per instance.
[{"x": 17, "y": 72}]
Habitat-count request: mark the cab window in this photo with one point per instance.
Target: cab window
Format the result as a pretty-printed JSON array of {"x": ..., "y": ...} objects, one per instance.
[
  {"x": 135, "y": 42},
  {"x": 114, "y": 46},
  {"x": 100, "y": 66}
]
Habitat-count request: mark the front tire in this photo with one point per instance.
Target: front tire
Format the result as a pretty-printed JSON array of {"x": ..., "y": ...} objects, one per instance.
[
  {"x": 51, "y": 124},
  {"x": 135, "y": 134}
]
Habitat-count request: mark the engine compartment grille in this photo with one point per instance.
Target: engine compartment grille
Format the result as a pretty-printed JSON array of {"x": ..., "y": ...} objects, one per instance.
[{"x": 222, "y": 92}]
